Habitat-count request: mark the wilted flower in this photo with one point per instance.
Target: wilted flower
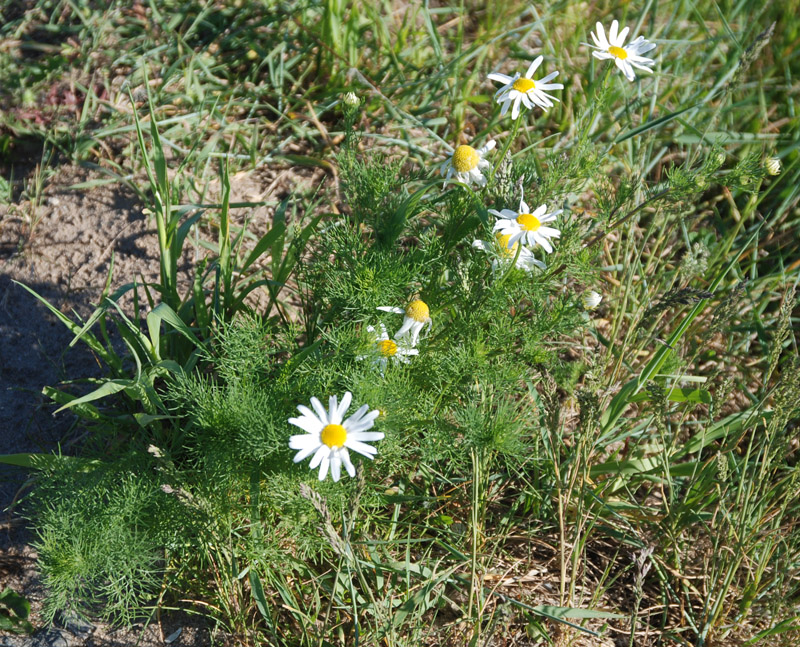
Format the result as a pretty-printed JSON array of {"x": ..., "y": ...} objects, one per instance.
[
  {"x": 503, "y": 253},
  {"x": 386, "y": 349},
  {"x": 466, "y": 163},
  {"x": 417, "y": 315}
]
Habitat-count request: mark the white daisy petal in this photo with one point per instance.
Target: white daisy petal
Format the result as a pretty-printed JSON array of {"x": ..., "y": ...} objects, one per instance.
[
  {"x": 322, "y": 452},
  {"x": 362, "y": 448},
  {"x": 320, "y": 410},
  {"x": 367, "y": 436},
  {"x": 348, "y": 464},
  {"x": 305, "y": 423},
  {"x": 303, "y": 441},
  {"x": 323, "y": 467},
  {"x": 336, "y": 467}
]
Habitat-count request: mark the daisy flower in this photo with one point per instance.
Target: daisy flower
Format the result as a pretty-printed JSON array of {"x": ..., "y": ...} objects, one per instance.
[
  {"x": 386, "y": 349},
  {"x": 526, "y": 226},
  {"x": 503, "y": 253},
  {"x": 625, "y": 57},
  {"x": 417, "y": 315},
  {"x": 466, "y": 163},
  {"x": 329, "y": 439},
  {"x": 523, "y": 89}
]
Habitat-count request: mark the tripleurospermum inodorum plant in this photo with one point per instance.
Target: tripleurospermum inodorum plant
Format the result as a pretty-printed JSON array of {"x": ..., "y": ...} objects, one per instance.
[{"x": 484, "y": 382}]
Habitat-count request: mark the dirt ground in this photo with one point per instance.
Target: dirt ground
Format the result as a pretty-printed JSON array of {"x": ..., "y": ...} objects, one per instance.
[{"x": 62, "y": 248}]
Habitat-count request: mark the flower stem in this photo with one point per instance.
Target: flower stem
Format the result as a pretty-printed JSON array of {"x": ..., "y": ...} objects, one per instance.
[{"x": 506, "y": 146}]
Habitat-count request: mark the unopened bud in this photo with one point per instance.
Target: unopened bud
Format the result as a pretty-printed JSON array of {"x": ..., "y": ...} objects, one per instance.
[
  {"x": 591, "y": 299},
  {"x": 351, "y": 99},
  {"x": 773, "y": 165}
]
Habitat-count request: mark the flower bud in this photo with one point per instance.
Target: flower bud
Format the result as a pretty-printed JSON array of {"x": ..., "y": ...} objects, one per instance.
[
  {"x": 351, "y": 99},
  {"x": 773, "y": 165},
  {"x": 591, "y": 299}
]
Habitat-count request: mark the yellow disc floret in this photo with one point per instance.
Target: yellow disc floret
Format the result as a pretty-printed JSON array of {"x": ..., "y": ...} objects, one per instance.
[
  {"x": 465, "y": 158},
  {"x": 418, "y": 311},
  {"x": 387, "y": 348},
  {"x": 502, "y": 243},
  {"x": 524, "y": 85},
  {"x": 528, "y": 222},
  {"x": 333, "y": 436},
  {"x": 618, "y": 52}
]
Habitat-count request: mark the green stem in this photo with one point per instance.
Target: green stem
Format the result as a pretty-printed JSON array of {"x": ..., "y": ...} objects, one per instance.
[{"x": 506, "y": 146}]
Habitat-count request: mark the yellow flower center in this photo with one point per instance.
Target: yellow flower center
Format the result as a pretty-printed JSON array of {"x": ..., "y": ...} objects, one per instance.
[
  {"x": 465, "y": 158},
  {"x": 524, "y": 85},
  {"x": 418, "y": 311},
  {"x": 618, "y": 52},
  {"x": 502, "y": 242},
  {"x": 528, "y": 222},
  {"x": 333, "y": 436},
  {"x": 387, "y": 347}
]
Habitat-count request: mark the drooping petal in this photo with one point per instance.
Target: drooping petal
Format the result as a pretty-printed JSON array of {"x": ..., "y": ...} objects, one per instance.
[
  {"x": 323, "y": 451},
  {"x": 348, "y": 464},
  {"x": 323, "y": 467},
  {"x": 336, "y": 466}
]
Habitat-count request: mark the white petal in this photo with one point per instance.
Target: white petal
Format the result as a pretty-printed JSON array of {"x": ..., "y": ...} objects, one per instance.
[
  {"x": 481, "y": 244},
  {"x": 540, "y": 210},
  {"x": 549, "y": 232},
  {"x": 344, "y": 406},
  {"x": 348, "y": 464},
  {"x": 603, "y": 56},
  {"x": 321, "y": 413},
  {"x": 612, "y": 33},
  {"x": 304, "y": 453},
  {"x": 533, "y": 66},
  {"x": 302, "y": 441},
  {"x": 397, "y": 311},
  {"x": 367, "y": 436},
  {"x": 333, "y": 405},
  {"x": 311, "y": 425},
  {"x": 323, "y": 468},
  {"x": 622, "y": 36},
  {"x": 487, "y": 147},
  {"x": 322, "y": 452},
  {"x": 540, "y": 83},
  {"x": 336, "y": 466},
  {"x": 365, "y": 450},
  {"x": 515, "y": 109},
  {"x": 500, "y": 78},
  {"x": 541, "y": 240},
  {"x": 601, "y": 35}
]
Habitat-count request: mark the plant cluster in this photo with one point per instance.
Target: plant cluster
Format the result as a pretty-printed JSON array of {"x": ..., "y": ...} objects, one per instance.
[{"x": 508, "y": 421}]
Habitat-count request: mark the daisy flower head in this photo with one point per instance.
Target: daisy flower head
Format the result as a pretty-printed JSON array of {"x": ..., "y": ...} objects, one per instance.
[
  {"x": 467, "y": 164},
  {"x": 526, "y": 226},
  {"x": 625, "y": 57},
  {"x": 503, "y": 253},
  {"x": 417, "y": 316},
  {"x": 386, "y": 349},
  {"x": 523, "y": 89},
  {"x": 329, "y": 439}
]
